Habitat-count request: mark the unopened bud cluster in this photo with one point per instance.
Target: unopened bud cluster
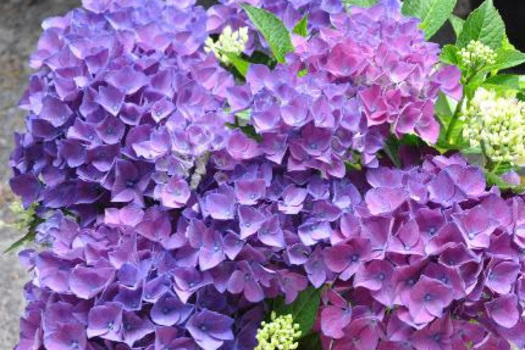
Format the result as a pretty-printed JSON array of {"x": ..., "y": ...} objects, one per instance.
[
  {"x": 477, "y": 55},
  {"x": 233, "y": 42},
  {"x": 498, "y": 125},
  {"x": 199, "y": 171},
  {"x": 280, "y": 333}
]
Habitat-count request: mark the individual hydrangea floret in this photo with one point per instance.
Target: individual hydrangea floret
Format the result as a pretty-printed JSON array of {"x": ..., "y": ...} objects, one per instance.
[
  {"x": 229, "y": 42},
  {"x": 477, "y": 55},
  {"x": 497, "y": 125},
  {"x": 280, "y": 333}
]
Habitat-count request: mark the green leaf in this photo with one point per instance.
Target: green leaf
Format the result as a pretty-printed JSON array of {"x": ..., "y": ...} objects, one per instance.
[
  {"x": 360, "y": 3},
  {"x": 507, "y": 59},
  {"x": 433, "y": 13},
  {"x": 242, "y": 123},
  {"x": 32, "y": 222},
  {"x": 259, "y": 57},
  {"x": 272, "y": 29},
  {"x": 301, "y": 28},
  {"x": 302, "y": 73},
  {"x": 457, "y": 24},
  {"x": 391, "y": 149},
  {"x": 504, "y": 82},
  {"x": 449, "y": 54},
  {"x": 485, "y": 25},
  {"x": 443, "y": 106},
  {"x": 310, "y": 342},
  {"x": 240, "y": 64},
  {"x": 247, "y": 130},
  {"x": 244, "y": 116},
  {"x": 28, "y": 238},
  {"x": 496, "y": 180},
  {"x": 503, "y": 168},
  {"x": 507, "y": 45},
  {"x": 303, "y": 309}
]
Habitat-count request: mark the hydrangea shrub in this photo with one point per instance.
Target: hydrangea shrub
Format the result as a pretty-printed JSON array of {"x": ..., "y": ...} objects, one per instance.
[{"x": 271, "y": 175}]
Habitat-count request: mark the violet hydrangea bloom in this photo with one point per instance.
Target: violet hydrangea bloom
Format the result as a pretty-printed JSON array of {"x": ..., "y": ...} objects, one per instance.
[
  {"x": 123, "y": 102},
  {"x": 118, "y": 287},
  {"x": 374, "y": 258}
]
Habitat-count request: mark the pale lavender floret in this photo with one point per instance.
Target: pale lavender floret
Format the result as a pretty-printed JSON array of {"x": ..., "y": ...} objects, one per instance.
[{"x": 105, "y": 321}]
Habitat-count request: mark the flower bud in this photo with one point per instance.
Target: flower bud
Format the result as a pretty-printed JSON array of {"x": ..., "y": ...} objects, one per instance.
[
  {"x": 280, "y": 333},
  {"x": 496, "y": 123},
  {"x": 229, "y": 41},
  {"x": 477, "y": 55}
]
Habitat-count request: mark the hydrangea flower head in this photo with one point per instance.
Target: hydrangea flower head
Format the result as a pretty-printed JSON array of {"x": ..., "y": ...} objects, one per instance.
[
  {"x": 497, "y": 124},
  {"x": 178, "y": 228},
  {"x": 280, "y": 333},
  {"x": 122, "y": 105}
]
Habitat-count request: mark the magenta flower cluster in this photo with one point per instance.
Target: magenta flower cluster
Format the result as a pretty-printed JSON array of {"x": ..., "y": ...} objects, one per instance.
[
  {"x": 430, "y": 260},
  {"x": 342, "y": 92},
  {"x": 166, "y": 229}
]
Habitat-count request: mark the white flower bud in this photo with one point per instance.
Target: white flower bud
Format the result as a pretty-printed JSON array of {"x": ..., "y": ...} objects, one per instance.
[
  {"x": 229, "y": 41},
  {"x": 498, "y": 123}
]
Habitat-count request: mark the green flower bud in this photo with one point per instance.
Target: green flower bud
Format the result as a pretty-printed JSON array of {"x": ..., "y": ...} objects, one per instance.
[
  {"x": 280, "y": 333},
  {"x": 477, "y": 55},
  {"x": 497, "y": 124}
]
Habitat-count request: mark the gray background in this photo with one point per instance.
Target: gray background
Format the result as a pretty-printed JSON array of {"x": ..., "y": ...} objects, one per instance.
[{"x": 19, "y": 31}]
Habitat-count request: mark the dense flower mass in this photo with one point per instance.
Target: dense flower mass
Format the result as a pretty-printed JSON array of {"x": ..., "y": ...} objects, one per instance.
[
  {"x": 125, "y": 291},
  {"x": 342, "y": 92},
  {"x": 122, "y": 105},
  {"x": 424, "y": 250},
  {"x": 431, "y": 262},
  {"x": 177, "y": 200}
]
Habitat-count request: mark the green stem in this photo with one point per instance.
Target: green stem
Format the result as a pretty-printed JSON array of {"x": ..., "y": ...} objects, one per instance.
[
  {"x": 457, "y": 111},
  {"x": 496, "y": 168},
  {"x": 454, "y": 120}
]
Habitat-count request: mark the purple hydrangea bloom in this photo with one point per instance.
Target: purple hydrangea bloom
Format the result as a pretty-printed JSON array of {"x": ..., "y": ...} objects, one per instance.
[
  {"x": 124, "y": 100},
  {"x": 155, "y": 270},
  {"x": 177, "y": 228}
]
